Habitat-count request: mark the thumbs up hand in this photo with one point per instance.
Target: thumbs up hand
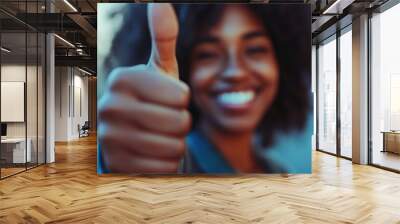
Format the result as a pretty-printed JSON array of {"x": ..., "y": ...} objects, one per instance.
[
  {"x": 163, "y": 26},
  {"x": 143, "y": 116}
]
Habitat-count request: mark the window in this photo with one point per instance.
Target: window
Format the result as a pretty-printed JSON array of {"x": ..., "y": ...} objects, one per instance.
[
  {"x": 385, "y": 89},
  {"x": 346, "y": 75},
  {"x": 327, "y": 96},
  {"x": 334, "y": 106}
]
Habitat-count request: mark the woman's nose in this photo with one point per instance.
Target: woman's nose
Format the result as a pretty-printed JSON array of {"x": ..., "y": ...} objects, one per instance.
[{"x": 234, "y": 69}]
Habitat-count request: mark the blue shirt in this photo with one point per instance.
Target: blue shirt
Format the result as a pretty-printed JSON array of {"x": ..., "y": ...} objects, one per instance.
[{"x": 202, "y": 157}]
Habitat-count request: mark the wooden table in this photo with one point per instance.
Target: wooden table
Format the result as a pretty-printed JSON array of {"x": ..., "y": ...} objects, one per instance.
[{"x": 391, "y": 141}]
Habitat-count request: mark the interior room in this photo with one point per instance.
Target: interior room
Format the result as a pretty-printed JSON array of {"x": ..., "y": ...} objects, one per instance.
[{"x": 49, "y": 94}]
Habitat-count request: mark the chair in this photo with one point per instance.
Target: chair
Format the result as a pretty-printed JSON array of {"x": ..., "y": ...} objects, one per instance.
[{"x": 84, "y": 130}]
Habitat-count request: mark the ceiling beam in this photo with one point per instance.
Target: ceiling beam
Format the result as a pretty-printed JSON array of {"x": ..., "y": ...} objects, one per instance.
[
  {"x": 81, "y": 61},
  {"x": 86, "y": 27}
]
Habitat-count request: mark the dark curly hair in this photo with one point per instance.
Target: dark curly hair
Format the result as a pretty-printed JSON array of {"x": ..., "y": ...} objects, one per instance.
[{"x": 289, "y": 27}]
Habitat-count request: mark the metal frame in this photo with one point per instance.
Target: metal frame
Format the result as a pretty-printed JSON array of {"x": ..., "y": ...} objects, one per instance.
[
  {"x": 45, "y": 89},
  {"x": 44, "y": 75},
  {"x": 369, "y": 98},
  {"x": 338, "y": 98},
  {"x": 0, "y": 91},
  {"x": 26, "y": 89},
  {"x": 316, "y": 96}
]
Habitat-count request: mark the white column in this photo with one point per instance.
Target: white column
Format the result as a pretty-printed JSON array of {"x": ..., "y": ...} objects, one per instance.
[
  {"x": 360, "y": 90},
  {"x": 50, "y": 94}
]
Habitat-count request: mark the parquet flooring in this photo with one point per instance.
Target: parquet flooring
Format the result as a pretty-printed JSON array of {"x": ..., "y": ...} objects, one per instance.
[
  {"x": 69, "y": 191},
  {"x": 387, "y": 159},
  {"x": 10, "y": 171}
]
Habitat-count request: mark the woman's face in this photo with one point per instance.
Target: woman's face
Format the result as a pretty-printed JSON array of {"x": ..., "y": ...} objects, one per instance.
[{"x": 234, "y": 72}]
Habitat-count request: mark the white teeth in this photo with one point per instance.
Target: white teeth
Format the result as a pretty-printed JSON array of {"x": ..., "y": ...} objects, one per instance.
[{"x": 235, "y": 98}]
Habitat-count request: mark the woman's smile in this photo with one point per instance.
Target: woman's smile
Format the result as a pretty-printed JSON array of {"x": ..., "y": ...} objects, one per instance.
[{"x": 235, "y": 100}]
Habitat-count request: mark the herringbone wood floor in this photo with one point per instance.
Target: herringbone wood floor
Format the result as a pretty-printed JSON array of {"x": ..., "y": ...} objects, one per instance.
[{"x": 70, "y": 191}]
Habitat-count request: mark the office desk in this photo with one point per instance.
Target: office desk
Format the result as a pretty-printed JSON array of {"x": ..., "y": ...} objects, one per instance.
[
  {"x": 13, "y": 150},
  {"x": 391, "y": 141}
]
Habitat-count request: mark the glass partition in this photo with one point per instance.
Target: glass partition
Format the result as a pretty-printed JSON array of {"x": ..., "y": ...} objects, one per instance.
[
  {"x": 32, "y": 73},
  {"x": 22, "y": 67},
  {"x": 14, "y": 151},
  {"x": 327, "y": 96}
]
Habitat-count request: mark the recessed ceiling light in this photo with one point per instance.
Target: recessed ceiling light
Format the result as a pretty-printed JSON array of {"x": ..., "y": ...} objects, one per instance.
[
  {"x": 70, "y": 5},
  {"x": 5, "y": 50},
  {"x": 337, "y": 7},
  {"x": 84, "y": 71},
  {"x": 65, "y": 41}
]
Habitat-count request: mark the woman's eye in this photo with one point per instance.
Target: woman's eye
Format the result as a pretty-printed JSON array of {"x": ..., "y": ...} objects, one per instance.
[
  {"x": 206, "y": 55},
  {"x": 256, "y": 51}
]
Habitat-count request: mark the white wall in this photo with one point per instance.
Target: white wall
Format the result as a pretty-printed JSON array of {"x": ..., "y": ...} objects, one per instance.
[
  {"x": 80, "y": 100},
  {"x": 33, "y": 127},
  {"x": 71, "y": 93},
  {"x": 61, "y": 103},
  {"x": 16, "y": 73}
]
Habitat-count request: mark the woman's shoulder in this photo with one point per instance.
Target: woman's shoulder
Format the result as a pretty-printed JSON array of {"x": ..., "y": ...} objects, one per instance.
[{"x": 202, "y": 157}]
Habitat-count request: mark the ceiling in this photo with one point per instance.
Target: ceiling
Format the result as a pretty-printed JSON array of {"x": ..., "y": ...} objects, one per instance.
[{"x": 76, "y": 22}]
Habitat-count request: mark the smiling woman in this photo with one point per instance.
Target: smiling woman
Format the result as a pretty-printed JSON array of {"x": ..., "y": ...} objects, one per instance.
[{"x": 246, "y": 79}]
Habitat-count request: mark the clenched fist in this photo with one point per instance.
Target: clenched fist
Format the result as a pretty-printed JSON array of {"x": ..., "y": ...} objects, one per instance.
[{"x": 143, "y": 114}]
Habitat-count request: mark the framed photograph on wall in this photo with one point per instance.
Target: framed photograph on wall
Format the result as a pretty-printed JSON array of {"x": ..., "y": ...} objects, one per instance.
[{"x": 217, "y": 88}]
